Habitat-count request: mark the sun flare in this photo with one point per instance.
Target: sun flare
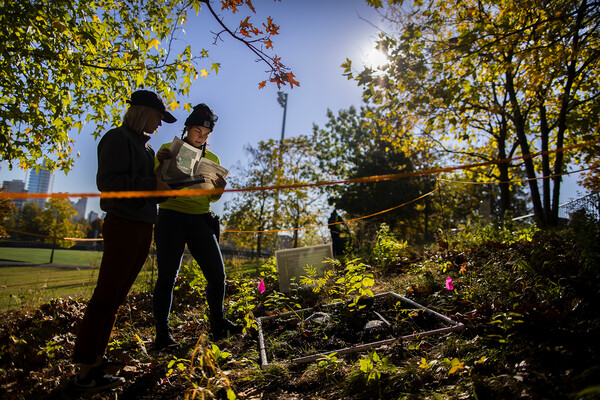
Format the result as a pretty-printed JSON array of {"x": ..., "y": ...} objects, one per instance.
[{"x": 374, "y": 58}]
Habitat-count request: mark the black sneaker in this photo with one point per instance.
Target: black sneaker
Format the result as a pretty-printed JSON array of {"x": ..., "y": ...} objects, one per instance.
[
  {"x": 165, "y": 342},
  {"x": 96, "y": 381},
  {"x": 221, "y": 327},
  {"x": 109, "y": 362}
]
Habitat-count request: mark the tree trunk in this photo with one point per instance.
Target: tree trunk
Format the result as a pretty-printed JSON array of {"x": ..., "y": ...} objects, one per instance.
[
  {"x": 545, "y": 137},
  {"x": 562, "y": 116},
  {"x": 505, "y": 198},
  {"x": 519, "y": 123}
]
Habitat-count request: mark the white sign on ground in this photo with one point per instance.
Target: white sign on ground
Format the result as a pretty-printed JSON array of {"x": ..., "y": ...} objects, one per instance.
[{"x": 291, "y": 263}]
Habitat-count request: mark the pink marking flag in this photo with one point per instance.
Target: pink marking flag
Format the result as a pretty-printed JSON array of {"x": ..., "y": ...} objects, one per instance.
[
  {"x": 449, "y": 284},
  {"x": 261, "y": 286}
]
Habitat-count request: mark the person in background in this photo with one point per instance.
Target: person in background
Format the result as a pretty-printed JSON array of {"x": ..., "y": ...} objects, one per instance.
[
  {"x": 187, "y": 220},
  {"x": 125, "y": 163},
  {"x": 335, "y": 230}
]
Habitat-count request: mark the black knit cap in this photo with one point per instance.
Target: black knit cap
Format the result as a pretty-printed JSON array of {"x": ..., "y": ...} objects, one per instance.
[
  {"x": 202, "y": 116},
  {"x": 151, "y": 99}
]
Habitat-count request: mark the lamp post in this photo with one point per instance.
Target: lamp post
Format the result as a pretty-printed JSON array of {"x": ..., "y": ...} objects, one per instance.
[{"x": 282, "y": 100}]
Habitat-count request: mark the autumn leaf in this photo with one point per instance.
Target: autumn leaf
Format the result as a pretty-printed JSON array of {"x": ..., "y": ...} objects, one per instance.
[
  {"x": 276, "y": 80},
  {"x": 203, "y": 73},
  {"x": 153, "y": 43},
  {"x": 270, "y": 27},
  {"x": 455, "y": 365},
  {"x": 245, "y": 26},
  {"x": 231, "y": 5},
  {"x": 262, "y": 84},
  {"x": 291, "y": 80}
]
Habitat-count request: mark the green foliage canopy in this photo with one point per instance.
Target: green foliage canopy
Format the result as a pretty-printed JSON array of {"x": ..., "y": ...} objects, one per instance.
[
  {"x": 351, "y": 145},
  {"x": 65, "y": 63},
  {"x": 57, "y": 222},
  {"x": 522, "y": 73}
]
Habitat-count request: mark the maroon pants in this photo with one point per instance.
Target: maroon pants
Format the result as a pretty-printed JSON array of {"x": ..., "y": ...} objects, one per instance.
[{"x": 126, "y": 246}]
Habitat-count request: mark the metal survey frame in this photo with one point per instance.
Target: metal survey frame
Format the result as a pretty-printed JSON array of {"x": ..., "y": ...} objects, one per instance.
[{"x": 455, "y": 326}]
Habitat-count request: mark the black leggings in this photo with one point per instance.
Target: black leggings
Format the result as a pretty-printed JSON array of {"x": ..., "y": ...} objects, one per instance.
[{"x": 172, "y": 232}]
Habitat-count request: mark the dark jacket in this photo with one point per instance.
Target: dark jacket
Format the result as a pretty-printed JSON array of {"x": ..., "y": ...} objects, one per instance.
[{"x": 126, "y": 163}]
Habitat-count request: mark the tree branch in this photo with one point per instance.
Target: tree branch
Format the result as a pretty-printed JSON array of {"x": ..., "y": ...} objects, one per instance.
[{"x": 274, "y": 65}]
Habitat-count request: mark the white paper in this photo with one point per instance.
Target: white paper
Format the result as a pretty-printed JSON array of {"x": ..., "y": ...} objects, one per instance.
[{"x": 187, "y": 161}]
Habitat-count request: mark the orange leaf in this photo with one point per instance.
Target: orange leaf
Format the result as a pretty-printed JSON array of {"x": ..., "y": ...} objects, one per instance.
[
  {"x": 245, "y": 24},
  {"x": 271, "y": 27},
  {"x": 277, "y": 80},
  {"x": 291, "y": 80},
  {"x": 262, "y": 84},
  {"x": 249, "y": 4},
  {"x": 231, "y": 4}
]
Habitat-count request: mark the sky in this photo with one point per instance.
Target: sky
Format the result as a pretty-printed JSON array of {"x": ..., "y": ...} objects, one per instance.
[{"x": 315, "y": 38}]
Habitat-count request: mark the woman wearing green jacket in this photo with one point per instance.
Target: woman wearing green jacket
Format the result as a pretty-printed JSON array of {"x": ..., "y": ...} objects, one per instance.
[{"x": 187, "y": 220}]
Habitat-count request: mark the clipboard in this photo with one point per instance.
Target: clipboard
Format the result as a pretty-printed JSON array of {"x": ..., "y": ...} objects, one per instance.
[{"x": 181, "y": 182}]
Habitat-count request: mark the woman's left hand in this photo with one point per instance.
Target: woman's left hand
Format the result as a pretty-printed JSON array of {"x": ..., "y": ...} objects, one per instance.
[{"x": 220, "y": 184}]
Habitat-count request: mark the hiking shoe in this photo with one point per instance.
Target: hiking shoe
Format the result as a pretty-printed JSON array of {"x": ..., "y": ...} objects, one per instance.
[
  {"x": 109, "y": 362},
  {"x": 96, "y": 381},
  {"x": 165, "y": 342},
  {"x": 221, "y": 327}
]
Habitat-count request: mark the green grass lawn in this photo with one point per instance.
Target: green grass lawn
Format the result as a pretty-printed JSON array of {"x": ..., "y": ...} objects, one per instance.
[
  {"x": 61, "y": 256},
  {"x": 32, "y": 286}
]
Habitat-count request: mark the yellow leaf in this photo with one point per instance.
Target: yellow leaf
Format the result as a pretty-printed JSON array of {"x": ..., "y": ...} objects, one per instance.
[
  {"x": 153, "y": 43},
  {"x": 456, "y": 364},
  {"x": 173, "y": 105},
  {"x": 203, "y": 73}
]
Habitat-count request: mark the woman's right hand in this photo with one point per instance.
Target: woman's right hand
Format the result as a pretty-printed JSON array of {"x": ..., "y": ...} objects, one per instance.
[
  {"x": 163, "y": 154},
  {"x": 161, "y": 185}
]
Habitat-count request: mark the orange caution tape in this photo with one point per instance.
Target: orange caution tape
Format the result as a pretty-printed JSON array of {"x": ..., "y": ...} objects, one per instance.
[
  {"x": 54, "y": 237},
  {"x": 202, "y": 192},
  {"x": 337, "y": 223}
]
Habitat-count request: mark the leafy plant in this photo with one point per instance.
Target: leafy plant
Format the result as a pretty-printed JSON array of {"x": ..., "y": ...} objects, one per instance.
[
  {"x": 50, "y": 349},
  {"x": 356, "y": 282},
  {"x": 192, "y": 276},
  {"x": 330, "y": 364},
  {"x": 323, "y": 284},
  {"x": 506, "y": 321},
  {"x": 455, "y": 364},
  {"x": 387, "y": 248},
  {"x": 220, "y": 356},
  {"x": 373, "y": 367},
  {"x": 506, "y": 232},
  {"x": 202, "y": 372},
  {"x": 243, "y": 302}
]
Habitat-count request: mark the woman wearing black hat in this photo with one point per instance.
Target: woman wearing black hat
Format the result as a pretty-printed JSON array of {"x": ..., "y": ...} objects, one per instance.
[
  {"x": 187, "y": 220},
  {"x": 125, "y": 163}
]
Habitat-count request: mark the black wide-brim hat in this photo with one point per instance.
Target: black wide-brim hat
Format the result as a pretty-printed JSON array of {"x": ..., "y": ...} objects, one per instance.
[{"x": 151, "y": 99}]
